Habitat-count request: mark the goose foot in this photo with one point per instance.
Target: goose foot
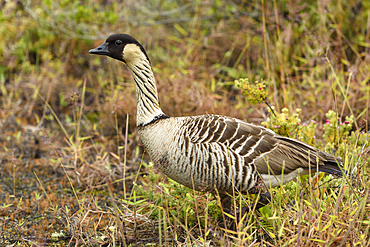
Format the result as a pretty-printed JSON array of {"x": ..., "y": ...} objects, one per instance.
[
  {"x": 263, "y": 201},
  {"x": 231, "y": 222}
]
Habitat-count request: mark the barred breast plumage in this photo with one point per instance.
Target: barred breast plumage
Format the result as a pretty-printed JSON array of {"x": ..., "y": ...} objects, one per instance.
[{"x": 211, "y": 152}]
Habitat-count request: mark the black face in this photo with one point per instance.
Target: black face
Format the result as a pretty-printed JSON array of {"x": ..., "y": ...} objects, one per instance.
[{"x": 114, "y": 45}]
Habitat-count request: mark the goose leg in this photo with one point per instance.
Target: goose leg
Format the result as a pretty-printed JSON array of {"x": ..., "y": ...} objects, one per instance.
[
  {"x": 264, "y": 200},
  {"x": 227, "y": 207},
  {"x": 226, "y": 202}
]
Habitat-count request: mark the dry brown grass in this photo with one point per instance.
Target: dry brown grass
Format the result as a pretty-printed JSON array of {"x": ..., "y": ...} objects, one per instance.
[{"x": 72, "y": 164}]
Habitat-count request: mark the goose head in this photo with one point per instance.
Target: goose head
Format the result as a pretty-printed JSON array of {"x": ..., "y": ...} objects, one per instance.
[{"x": 122, "y": 47}]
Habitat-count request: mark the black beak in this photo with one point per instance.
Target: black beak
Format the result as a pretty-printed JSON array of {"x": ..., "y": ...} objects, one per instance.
[{"x": 100, "y": 50}]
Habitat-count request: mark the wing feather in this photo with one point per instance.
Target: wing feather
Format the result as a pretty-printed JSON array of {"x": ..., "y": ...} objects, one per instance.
[{"x": 259, "y": 146}]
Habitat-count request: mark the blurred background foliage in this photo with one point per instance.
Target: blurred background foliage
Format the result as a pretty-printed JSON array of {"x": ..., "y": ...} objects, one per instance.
[
  {"x": 307, "y": 51},
  {"x": 310, "y": 57}
]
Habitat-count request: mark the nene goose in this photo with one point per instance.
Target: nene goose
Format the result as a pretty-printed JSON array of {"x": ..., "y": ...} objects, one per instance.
[{"x": 210, "y": 152}]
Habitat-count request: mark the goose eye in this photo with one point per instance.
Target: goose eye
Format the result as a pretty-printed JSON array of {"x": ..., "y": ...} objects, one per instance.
[{"x": 118, "y": 42}]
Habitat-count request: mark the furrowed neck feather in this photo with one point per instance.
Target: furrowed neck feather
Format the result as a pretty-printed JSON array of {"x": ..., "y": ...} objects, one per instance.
[{"x": 146, "y": 91}]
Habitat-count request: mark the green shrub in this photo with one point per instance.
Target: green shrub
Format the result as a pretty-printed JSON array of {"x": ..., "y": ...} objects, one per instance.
[{"x": 254, "y": 92}]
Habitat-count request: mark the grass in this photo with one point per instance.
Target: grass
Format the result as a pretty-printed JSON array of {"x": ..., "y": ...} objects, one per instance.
[{"x": 73, "y": 171}]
